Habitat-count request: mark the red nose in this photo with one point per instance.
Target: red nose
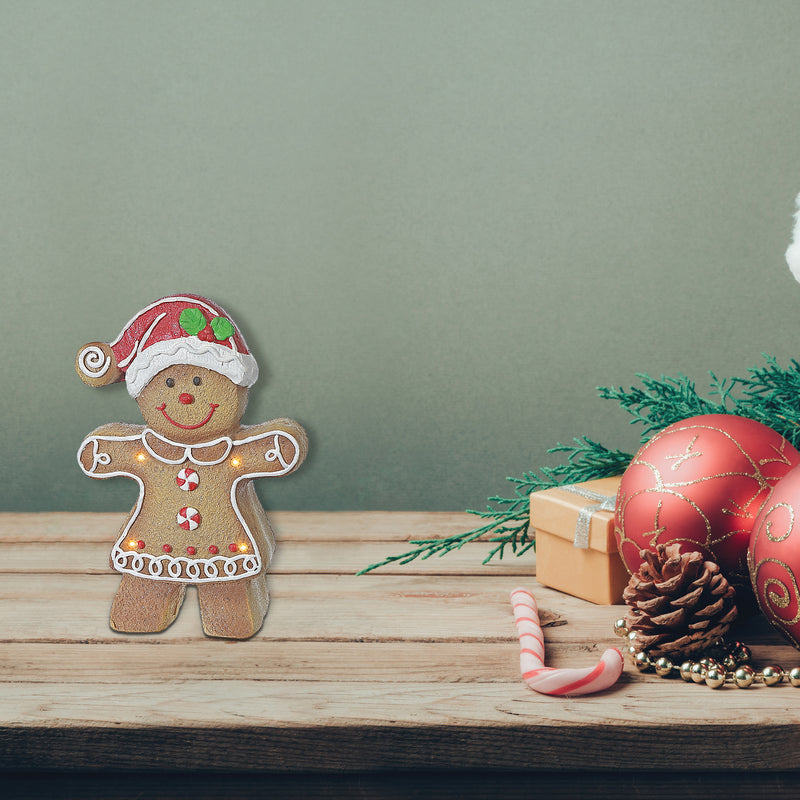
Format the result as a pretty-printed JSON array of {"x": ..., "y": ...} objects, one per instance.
[{"x": 186, "y": 398}]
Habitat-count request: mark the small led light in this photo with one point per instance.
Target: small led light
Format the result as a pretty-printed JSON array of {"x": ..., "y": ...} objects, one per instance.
[
  {"x": 235, "y": 462},
  {"x": 134, "y": 545},
  {"x": 141, "y": 457},
  {"x": 242, "y": 548}
]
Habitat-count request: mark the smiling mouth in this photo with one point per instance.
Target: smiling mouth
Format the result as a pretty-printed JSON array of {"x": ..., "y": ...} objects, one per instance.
[{"x": 163, "y": 409}]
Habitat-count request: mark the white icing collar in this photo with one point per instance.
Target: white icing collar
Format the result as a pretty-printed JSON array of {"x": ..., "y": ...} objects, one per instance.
[{"x": 193, "y": 452}]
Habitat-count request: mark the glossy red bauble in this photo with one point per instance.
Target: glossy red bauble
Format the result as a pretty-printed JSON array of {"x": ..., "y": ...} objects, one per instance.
[
  {"x": 701, "y": 482},
  {"x": 774, "y": 557}
]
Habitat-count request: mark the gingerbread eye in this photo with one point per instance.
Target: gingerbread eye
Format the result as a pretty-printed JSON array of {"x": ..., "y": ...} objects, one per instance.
[
  {"x": 197, "y": 381},
  {"x": 170, "y": 382}
]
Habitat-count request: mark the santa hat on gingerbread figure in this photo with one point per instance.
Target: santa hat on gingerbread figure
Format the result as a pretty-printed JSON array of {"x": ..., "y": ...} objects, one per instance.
[{"x": 181, "y": 329}]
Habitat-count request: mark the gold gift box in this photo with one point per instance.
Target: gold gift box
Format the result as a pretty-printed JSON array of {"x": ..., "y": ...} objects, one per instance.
[{"x": 576, "y": 551}]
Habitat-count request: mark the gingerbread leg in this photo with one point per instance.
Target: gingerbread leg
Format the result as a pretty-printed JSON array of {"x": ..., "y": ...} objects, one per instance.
[
  {"x": 142, "y": 605},
  {"x": 233, "y": 609}
]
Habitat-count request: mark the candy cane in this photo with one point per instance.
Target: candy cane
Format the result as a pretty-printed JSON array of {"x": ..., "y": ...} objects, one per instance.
[{"x": 547, "y": 680}]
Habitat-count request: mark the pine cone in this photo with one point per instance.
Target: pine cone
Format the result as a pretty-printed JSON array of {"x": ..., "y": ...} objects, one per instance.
[{"x": 680, "y": 602}]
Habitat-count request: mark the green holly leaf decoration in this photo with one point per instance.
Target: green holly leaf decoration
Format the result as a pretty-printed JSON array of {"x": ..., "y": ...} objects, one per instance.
[
  {"x": 223, "y": 328},
  {"x": 192, "y": 321}
]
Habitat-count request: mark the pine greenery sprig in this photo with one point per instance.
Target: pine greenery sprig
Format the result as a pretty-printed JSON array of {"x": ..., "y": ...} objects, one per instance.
[
  {"x": 586, "y": 460},
  {"x": 663, "y": 401},
  {"x": 770, "y": 395},
  {"x": 509, "y": 521}
]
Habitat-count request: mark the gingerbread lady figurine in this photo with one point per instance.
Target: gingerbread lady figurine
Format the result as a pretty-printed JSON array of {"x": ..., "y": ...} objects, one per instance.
[{"x": 198, "y": 519}]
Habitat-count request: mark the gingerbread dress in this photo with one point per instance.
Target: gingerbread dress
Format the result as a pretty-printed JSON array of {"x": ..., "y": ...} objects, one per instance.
[{"x": 197, "y": 519}]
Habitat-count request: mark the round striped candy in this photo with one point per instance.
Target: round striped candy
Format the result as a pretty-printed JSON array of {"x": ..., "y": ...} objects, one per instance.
[
  {"x": 188, "y": 518},
  {"x": 188, "y": 480}
]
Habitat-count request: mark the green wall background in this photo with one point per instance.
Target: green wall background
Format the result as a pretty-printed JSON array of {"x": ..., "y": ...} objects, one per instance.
[{"x": 440, "y": 224}]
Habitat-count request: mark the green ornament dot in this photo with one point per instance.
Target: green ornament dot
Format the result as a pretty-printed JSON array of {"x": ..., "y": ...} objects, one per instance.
[
  {"x": 222, "y": 327},
  {"x": 192, "y": 321}
]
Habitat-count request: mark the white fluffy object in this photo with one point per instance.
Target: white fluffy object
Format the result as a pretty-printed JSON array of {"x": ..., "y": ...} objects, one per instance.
[{"x": 793, "y": 251}]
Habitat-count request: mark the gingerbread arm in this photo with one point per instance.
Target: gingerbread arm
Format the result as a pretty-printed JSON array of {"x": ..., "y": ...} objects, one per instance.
[
  {"x": 273, "y": 448},
  {"x": 112, "y": 450}
]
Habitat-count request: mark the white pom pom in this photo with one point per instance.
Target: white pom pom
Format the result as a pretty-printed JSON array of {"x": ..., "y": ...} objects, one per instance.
[{"x": 793, "y": 251}]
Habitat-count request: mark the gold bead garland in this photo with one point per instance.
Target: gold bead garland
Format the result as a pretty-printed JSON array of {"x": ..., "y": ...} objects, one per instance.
[{"x": 723, "y": 664}]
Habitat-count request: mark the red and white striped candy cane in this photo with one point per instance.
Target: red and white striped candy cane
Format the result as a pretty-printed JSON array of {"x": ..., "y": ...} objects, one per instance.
[{"x": 556, "y": 681}]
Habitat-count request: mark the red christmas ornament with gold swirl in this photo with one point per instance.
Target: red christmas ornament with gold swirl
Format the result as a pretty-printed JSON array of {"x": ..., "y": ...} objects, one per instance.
[
  {"x": 774, "y": 557},
  {"x": 701, "y": 482}
]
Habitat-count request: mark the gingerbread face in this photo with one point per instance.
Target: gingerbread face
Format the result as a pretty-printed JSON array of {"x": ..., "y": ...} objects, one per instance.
[{"x": 189, "y": 404}]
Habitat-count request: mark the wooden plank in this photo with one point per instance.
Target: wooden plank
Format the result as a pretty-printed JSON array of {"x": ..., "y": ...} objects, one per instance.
[
  {"x": 350, "y": 526},
  {"x": 263, "y": 660},
  {"x": 233, "y": 703},
  {"x": 269, "y": 660},
  {"x": 328, "y": 608},
  {"x": 344, "y": 726},
  {"x": 293, "y": 556},
  {"x": 325, "y": 608},
  {"x": 58, "y": 526}
]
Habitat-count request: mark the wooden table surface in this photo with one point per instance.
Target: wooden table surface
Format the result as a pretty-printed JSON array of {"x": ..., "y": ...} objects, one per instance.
[{"x": 401, "y": 682}]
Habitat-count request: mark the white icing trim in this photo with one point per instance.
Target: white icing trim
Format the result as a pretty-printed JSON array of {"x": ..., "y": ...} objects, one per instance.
[
  {"x": 93, "y": 362},
  {"x": 241, "y": 368},
  {"x": 198, "y": 570},
  {"x": 105, "y": 459},
  {"x": 286, "y": 468},
  {"x": 187, "y": 449},
  {"x": 141, "y": 342}
]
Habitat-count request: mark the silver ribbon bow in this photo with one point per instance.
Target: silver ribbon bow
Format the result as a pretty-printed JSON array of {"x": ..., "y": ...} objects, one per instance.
[{"x": 603, "y": 503}]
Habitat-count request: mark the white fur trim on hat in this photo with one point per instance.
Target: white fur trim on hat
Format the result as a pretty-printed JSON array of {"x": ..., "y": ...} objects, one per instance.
[{"x": 241, "y": 368}]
